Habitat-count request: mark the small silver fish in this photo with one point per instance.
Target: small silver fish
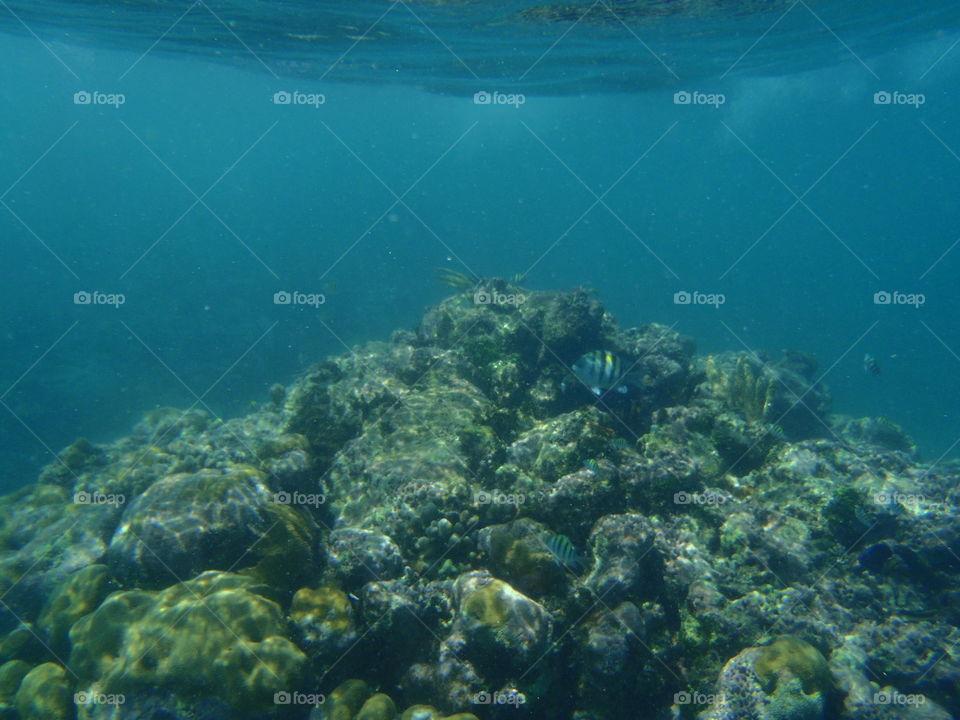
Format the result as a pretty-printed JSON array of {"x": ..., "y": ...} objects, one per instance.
[{"x": 870, "y": 365}]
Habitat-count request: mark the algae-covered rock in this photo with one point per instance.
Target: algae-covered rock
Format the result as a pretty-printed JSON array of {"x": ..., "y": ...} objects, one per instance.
[
  {"x": 790, "y": 656},
  {"x": 359, "y": 556},
  {"x": 11, "y": 673},
  {"x": 208, "y": 520},
  {"x": 79, "y": 595},
  {"x": 344, "y": 702},
  {"x": 611, "y": 651},
  {"x": 330, "y": 403},
  {"x": 378, "y": 707},
  {"x": 518, "y": 553},
  {"x": 325, "y": 620},
  {"x": 434, "y": 436},
  {"x": 210, "y": 636},
  {"x": 506, "y": 345},
  {"x": 674, "y": 463},
  {"x": 559, "y": 445},
  {"x": 78, "y": 457},
  {"x": 881, "y": 432},
  {"x": 428, "y": 712},
  {"x": 48, "y": 533},
  {"x": 627, "y": 564},
  {"x": 286, "y": 549},
  {"x": 44, "y": 694},
  {"x": 662, "y": 365},
  {"x": 22, "y": 643},
  {"x": 503, "y": 628},
  {"x": 402, "y": 621},
  {"x": 787, "y": 679}
]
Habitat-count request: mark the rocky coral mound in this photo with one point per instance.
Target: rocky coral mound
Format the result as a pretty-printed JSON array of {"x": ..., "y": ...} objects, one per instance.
[{"x": 455, "y": 524}]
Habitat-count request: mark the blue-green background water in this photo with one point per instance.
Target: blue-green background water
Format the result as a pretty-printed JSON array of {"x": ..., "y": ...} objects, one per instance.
[{"x": 302, "y": 198}]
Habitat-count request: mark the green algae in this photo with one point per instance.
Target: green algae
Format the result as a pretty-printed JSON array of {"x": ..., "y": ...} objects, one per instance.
[
  {"x": 378, "y": 707},
  {"x": 44, "y": 694},
  {"x": 213, "y": 634},
  {"x": 346, "y": 700},
  {"x": 487, "y": 606},
  {"x": 21, "y": 643},
  {"x": 794, "y": 656},
  {"x": 80, "y": 595},
  {"x": 327, "y": 608},
  {"x": 428, "y": 712},
  {"x": 518, "y": 553},
  {"x": 11, "y": 674},
  {"x": 77, "y": 458}
]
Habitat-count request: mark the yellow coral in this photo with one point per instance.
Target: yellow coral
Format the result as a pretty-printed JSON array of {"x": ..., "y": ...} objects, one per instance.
[
  {"x": 378, "y": 707},
  {"x": 326, "y": 606},
  {"x": 79, "y": 595},
  {"x": 44, "y": 694},
  {"x": 791, "y": 655},
  {"x": 345, "y": 700},
  {"x": 212, "y": 632}
]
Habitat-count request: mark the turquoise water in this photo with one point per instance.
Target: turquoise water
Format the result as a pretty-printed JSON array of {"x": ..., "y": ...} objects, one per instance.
[
  {"x": 798, "y": 198},
  {"x": 206, "y": 206}
]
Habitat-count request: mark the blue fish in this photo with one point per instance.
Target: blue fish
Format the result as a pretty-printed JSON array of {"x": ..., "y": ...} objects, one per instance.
[
  {"x": 600, "y": 371},
  {"x": 874, "y": 557}
]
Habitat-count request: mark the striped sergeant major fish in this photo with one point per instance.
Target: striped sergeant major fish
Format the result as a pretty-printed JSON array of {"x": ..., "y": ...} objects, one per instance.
[
  {"x": 600, "y": 371},
  {"x": 564, "y": 553},
  {"x": 870, "y": 365}
]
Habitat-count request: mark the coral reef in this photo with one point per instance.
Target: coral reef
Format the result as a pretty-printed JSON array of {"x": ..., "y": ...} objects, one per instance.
[{"x": 380, "y": 538}]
